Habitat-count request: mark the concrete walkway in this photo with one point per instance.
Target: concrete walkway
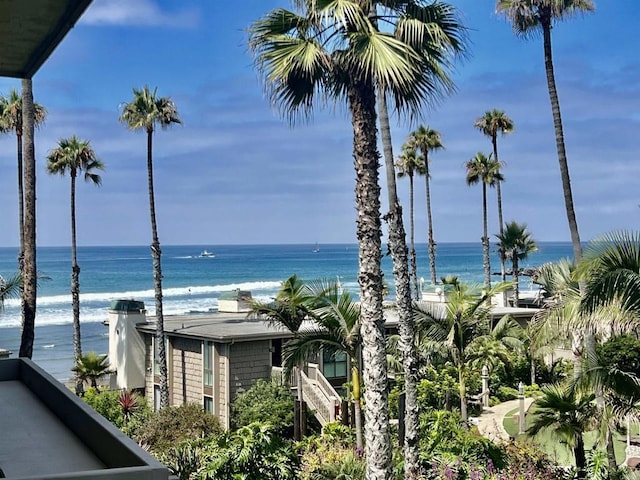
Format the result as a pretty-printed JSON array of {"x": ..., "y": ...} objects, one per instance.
[{"x": 490, "y": 421}]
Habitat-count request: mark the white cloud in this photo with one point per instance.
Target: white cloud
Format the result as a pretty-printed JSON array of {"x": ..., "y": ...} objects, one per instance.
[{"x": 138, "y": 13}]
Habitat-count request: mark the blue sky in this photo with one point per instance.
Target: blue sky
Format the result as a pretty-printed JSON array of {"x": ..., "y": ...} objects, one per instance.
[{"x": 236, "y": 172}]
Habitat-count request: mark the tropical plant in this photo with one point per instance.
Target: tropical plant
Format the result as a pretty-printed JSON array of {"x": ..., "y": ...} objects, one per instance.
[
  {"x": 91, "y": 367},
  {"x": 486, "y": 171},
  {"x": 611, "y": 270},
  {"x": 336, "y": 330},
  {"x": 254, "y": 452},
  {"x": 126, "y": 410},
  {"x": 146, "y": 111},
  {"x": 28, "y": 267},
  {"x": 515, "y": 243},
  {"x": 427, "y": 140},
  {"x": 11, "y": 121},
  {"x": 408, "y": 164},
  {"x": 567, "y": 413},
  {"x": 454, "y": 326},
  {"x": 75, "y": 156},
  {"x": 334, "y": 48},
  {"x": 490, "y": 124},
  {"x": 529, "y": 18}
]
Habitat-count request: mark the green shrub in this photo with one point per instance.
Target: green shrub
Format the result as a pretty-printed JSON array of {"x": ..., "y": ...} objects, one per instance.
[
  {"x": 265, "y": 402},
  {"x": 330, "y": 454},
  {"x": 169, "y": 426},
  {"x": 127, "y": 411},
  {"x": 507, "y": 393}
]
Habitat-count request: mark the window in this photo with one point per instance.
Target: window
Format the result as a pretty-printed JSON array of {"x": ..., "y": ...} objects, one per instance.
[
  {"x": 207, "y": 366},
  {"x": 334, "y": 365},
  {"x": 156, "y": 356},
  {"x": 208, "y": 404}
]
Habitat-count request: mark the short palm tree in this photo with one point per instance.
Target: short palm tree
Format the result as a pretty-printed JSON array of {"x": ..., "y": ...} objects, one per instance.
[
  {"x": 10, "y": 288},
  {"x": 75, "y": 156},
  {"x": 11, "y": 121},
  {"x": 567, "y": 413},
  {"x": 408, "y": 164},
  {"x": 292, "y": 305},
  {"x": 146, "y": 111},
  {"x": 515, "y": 243},
  {"x": 486, "y": 171},
  {"x": 456, "y": 325},
  {"x": 336, "y": 330},
  {"x": 92, "y": 367},
  {"x": 529, "y": 18},
  {"x": 428, "y": 140},
  {"x": 490, "y": 124},
  {"x": 334, "y": 50}
]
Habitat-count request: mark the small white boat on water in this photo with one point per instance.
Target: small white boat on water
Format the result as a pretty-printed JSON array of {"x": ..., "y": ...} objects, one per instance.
[{"x": 206, "y": 253}]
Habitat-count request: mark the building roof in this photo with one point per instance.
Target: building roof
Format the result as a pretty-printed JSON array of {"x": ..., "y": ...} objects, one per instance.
[
  {"x": 221, "y": 327},
  {"x": 30, "y": 30}
]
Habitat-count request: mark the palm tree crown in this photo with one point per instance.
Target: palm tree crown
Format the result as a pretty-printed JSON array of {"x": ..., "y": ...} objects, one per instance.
[
  {"x": 147, "y": 110},
  {"x": 515, "y": 243}
]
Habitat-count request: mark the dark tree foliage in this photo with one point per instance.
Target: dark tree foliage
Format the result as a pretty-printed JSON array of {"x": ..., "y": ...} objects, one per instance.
[{"x": 621, "y": 352}]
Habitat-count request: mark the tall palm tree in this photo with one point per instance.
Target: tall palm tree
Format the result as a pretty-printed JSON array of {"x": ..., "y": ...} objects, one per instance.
[
  {"x": 444, "y": 40},
  {"x": 336, "y": 330},
  {"x": 11, "y": 121},
  {"x": 490, "y": 124},
  {"x": 29, "y": 268},
  {"x": 529, "y": 18},
  {"x": 456, "y": 325},
  {"x": 75, "y": 156},
  {"x": 408, "y": 164},
  {"x": 428, "y": 140},
  {"x": 486, "y": 171},
  {"x": 145, "y": 112},
  {"x": 292, "y": 305},
  {"x": 516, "y": 243},
  {"x": 334, "y": 50},
  {"x": 567, "y": 413}
]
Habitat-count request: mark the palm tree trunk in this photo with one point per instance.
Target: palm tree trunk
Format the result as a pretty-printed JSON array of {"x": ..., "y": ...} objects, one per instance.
[
  {"x": 485, "y": 239},
  {"x": 156, "y": 255},
  {"x": 20, "y": 197},
  {"x": 611, "y": 452},
  {"x": 29, "y": 279},
  {"x": 361, "y": 99},
  {"x": 406, "y": 327},
  {"x": 581, "y": 459},
  {"x": 414, "y": 265},
  {"x": 562, "y": 154},
  {"x": 432, "y": 243},
  {"x": 503, "y": 273},
  {"x": 463, "y": 394},
  {"x": 516, "y": 278},
  {"x": 75, "y": 286}
]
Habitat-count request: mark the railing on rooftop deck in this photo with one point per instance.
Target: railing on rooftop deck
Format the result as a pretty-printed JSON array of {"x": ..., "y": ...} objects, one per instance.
[{"x": 319, "y": 394}]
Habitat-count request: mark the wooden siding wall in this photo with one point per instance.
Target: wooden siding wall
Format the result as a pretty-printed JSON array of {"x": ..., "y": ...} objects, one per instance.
[
  {"x": 249, "y": 361},
  {"x": 186, "y": 371}
]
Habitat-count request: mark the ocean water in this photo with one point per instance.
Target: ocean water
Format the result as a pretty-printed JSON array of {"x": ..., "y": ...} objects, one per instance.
[{"x": 194, "y": 283}]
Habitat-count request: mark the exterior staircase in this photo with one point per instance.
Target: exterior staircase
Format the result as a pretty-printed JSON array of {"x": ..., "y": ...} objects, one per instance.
[{"x": 317, "y": 392}]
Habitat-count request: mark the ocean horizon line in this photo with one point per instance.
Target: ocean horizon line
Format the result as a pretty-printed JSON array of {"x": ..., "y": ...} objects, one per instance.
[{"x": 290, "y": 244}]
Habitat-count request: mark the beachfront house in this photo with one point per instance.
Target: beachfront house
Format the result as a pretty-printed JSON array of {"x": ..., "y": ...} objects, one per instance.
[{"x": 212, "y": 356}]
